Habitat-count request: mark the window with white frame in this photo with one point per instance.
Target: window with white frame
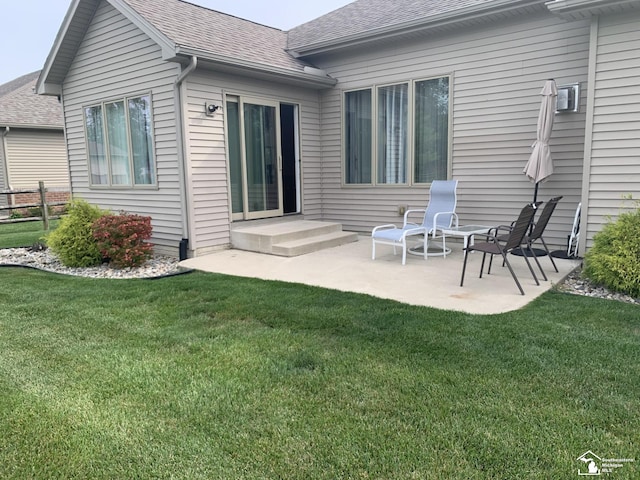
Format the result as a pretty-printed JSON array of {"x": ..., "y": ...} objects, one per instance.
[
  {"x": 358, "y": 136},
  {"x": 410, "y": 133},
  {"x": 120, "y": 142}
]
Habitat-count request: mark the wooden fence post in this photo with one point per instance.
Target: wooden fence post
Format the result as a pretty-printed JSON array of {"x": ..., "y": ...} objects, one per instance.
[{"x": 45, "y": 207}]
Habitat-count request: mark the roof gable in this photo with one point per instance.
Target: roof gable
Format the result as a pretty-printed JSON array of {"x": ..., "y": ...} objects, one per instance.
[
  {"x": 20, "y": 106},
  {"x": 182, "y": 29}
]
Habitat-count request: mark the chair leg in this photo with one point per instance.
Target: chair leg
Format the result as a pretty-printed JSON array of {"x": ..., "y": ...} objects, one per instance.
[
  {"x": 549, "y": 254},
  {"x": 444, "y": 245},
  {"x": 484, "y": 256},
  {"x": 535, "y": 257},
  {"x": 425, "y": 246},
  {"x": 373, "y": 249},
  {"x": 513, "y": 274},
  {"x": 526, "y": 259},
  {"x": 464, "y": 266},
  {"x": 491, "y": 265},
  {"x": 404, "y": 252}
]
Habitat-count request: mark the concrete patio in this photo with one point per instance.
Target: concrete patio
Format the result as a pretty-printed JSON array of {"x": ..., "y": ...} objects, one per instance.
[{"x": 434, "y": 282}]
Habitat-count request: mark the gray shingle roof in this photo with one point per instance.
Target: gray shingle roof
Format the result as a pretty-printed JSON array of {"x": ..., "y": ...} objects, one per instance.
[
  {"x": 21, "y": 106},
  {"x": 363, "y": 16},
  {"x": 216, "y": 33}
]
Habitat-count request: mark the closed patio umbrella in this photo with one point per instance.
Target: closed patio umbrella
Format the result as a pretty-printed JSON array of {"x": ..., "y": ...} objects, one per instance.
[{"x": 540, "y": 165}]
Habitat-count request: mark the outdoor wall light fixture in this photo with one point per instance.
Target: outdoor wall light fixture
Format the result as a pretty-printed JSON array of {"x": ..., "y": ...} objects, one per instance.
[{"x": 210, "y": 108}]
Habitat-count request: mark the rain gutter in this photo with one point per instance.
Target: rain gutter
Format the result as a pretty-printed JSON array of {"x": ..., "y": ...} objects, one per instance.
[
  {"x": 586, "y": 8},
  {"x": 307, "y": 75}
]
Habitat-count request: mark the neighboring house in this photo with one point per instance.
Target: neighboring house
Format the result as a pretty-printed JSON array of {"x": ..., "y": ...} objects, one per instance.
[
  {"x": 32, "y": 145},
  {"x": 202, "y": 119}
]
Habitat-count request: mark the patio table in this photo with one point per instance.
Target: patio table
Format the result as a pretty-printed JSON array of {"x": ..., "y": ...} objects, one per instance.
[{"x": 467, "y": 232}]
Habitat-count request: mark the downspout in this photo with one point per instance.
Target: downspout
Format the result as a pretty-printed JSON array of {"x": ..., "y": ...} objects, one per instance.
[
  {"x": 177, "y": 95},
  {"x": 66, "y": 142},
  {"x": 5, "y": 162},
  {"x": 588, "y": 135}
]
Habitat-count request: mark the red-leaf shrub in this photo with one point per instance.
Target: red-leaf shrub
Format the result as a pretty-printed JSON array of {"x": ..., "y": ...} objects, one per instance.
[{"x": 121, "y": 239}]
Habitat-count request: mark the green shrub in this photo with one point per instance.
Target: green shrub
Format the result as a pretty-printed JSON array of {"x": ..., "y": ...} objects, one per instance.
[
  {"x": 614, "y": 259},
  {"x": 73, "y": 240},
  {"x": 122, "y": 239}
]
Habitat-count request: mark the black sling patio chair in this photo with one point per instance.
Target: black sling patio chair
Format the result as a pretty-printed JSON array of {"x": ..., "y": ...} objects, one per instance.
[
  {"x": 514, "y": 238},
  {"x": 537, "y": 229}
]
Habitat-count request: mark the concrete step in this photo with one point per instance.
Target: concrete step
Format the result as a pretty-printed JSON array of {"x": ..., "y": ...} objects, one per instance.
[
  {"x": 302, "y": 246},
  {"x": 290, "y": 236}
]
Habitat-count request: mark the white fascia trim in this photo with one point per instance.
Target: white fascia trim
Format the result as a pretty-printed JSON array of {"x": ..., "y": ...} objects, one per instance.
[
  {"x": 166, "y": 44},
  {"x": 312, "y": 76},
  {"x": 46, "y": 88},
  {"x": 53, "y": 89},
  {"x": 42, "y": 87},
  {"x": 565, "y": 6},
  {"x": 454, "y": 16}
]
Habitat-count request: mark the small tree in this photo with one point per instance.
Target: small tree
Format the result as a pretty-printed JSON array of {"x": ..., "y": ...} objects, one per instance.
[
  {"x": 73, "y": 240},
  {"x": 614, "y": 259}
]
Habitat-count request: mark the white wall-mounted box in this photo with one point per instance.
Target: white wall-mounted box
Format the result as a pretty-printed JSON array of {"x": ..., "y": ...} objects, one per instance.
[{"x": 568, "y": 98}]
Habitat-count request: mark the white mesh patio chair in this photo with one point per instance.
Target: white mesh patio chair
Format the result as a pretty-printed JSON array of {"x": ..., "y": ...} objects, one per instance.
[{"x": 439, "y": 214}]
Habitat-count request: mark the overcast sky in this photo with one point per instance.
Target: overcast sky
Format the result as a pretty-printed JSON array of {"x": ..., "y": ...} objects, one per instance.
[{"x": 29, "y": 27}]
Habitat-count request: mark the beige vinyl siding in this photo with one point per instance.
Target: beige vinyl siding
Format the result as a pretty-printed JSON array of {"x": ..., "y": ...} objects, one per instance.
[
  {"x": 115, "y": 60},
  {"x": 3, "y": 168},
  {"x": 36, "y": 155},
  {"x": 4, "y": 185},
  {"x": 615, "y": 139},
  {"x": 206, "y": 147},
  {"x": 497, "y": 74}
]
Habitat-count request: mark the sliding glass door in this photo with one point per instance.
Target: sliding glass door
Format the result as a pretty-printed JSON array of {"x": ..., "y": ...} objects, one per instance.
[{"x": 254, "y": 158}]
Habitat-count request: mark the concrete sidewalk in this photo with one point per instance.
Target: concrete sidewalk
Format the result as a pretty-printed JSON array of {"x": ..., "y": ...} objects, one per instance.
[{"x": 434, "y": 282}]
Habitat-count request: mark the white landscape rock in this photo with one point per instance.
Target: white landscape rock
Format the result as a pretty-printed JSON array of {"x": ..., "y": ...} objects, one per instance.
[{"x": 45, "y": 260}]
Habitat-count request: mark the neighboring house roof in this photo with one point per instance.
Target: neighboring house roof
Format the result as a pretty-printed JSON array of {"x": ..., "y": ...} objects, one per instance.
[
  {"x": 182, "y": 30},
  {"x": 20, "y": 106}
]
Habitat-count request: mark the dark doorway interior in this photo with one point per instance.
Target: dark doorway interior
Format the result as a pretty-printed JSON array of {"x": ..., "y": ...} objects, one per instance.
[{"x": 289, "y": 158}]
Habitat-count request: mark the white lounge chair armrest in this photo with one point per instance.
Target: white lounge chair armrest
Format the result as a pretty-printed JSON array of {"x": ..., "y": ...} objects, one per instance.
[
  {"x": 412, "y": 211},
  {"x": 453, "y": 214},
  {"x": 382, "y": 227}
]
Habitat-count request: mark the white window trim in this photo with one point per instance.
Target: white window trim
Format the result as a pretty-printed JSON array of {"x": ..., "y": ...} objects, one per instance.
[
  {"x": 110, "y": 185},
  {"x": 410, "y": 125}
]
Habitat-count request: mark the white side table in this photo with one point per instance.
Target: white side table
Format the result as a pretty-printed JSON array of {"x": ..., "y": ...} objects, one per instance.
[{"x": 467, "y": 232}]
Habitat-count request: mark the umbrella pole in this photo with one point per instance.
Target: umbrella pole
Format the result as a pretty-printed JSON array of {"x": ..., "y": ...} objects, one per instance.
[
  {"x": 535, "y": 199},
  {"x": 527, "y": 251}
]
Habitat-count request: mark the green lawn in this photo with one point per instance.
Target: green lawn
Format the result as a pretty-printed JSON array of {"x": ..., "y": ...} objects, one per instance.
[
  {"x": 205, "y": 376},
  {"x": 23, "y": 234}
]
